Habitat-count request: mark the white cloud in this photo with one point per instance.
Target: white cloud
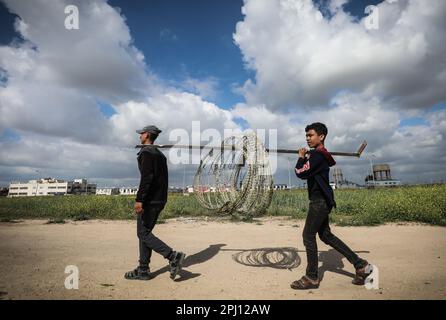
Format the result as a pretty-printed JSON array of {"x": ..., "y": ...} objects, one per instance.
[
  {"x": 168, "y": 111},
  {"x": 54, "y": 80},
  {"x": 302, "y": 60},
  {"x": 206, "y": 88},
  {"x": 168, "y": 35},
  {"x": 414, "y": 152}
]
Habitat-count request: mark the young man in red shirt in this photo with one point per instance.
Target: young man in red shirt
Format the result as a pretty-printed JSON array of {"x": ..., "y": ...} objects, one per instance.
[{"x": 314, "y": 166}]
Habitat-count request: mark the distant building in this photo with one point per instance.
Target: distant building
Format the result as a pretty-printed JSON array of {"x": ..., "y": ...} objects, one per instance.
[
  {"x": 41, "y": 187},
  {"x": 175, "y": 190},
  {"x": 381, "y": 177},
  {"x": 50, "y": 187},
  {"x": 81, "y": 186},
  {"x": 280, "y": 186},
  {"x": 107, "y": 191},
  {"x": 339, "y": 182},
  {"x": 128, "y": 190},
  {"x": 338, "y": 177},
  {"x": 4, "y": 192}
]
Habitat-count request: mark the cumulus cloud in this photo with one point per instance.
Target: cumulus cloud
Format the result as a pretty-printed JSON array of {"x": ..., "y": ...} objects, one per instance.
[
  {"x": 52, "y": 82},
  {"x": 415, "y": 153},
  {"x": 206, "y": 88},
  {"x": 302, "y": 59}
]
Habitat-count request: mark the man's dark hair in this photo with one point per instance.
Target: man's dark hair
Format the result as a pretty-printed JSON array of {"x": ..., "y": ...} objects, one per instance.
[
  {"x": 152, "y": 136},
  {"x": 320, "y": 128}
]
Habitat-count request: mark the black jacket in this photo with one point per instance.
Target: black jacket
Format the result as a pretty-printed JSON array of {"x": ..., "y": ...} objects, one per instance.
[
  {"x": 152, "y": 165},
  {"x": 315, "y": 168}
]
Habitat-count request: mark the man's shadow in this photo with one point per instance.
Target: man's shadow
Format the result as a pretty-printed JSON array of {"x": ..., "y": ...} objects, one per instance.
[
  {"x": 197, "y": 258},
  {"x": 332, "y": 261}
]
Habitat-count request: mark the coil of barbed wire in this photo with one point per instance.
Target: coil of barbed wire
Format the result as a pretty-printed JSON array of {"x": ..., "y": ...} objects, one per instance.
[{"x": 235, "y": 177}]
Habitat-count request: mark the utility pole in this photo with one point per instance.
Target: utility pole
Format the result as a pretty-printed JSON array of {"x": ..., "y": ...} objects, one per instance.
[
  {"x": 184, "y": 179},
  {"x": 371, "y": 167}
]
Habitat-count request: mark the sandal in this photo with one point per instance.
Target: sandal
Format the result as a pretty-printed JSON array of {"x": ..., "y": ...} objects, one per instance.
[
  {"x": 362, "y": 274},
  {"x": 137, "y": 274},
  {"x": 305, "y": 283}
]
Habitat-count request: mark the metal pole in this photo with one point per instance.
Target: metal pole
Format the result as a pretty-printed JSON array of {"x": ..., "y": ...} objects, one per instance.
[
  {"x": 290, "y": 151},
  {"x": 371, "y": 167}
]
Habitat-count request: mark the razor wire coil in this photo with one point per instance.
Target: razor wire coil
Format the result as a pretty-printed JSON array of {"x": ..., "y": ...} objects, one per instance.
[{"x": 237, "y": 179}]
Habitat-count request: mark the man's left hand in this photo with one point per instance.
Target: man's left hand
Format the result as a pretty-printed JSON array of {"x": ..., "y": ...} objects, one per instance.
[{"x": 138, "y": 208}]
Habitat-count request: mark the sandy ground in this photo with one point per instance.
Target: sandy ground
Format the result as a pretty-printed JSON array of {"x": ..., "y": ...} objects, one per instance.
[{"x": 226, "y": 260}]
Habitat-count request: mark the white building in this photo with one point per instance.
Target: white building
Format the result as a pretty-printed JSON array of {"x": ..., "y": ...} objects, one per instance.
[
  {"x": 128, "y": 191},
  {"x": 49, "y": 186},
  {"x": 41, "y": 187},
  {"x": 81, "y": 186},
  {"x": 280, "y": 186},
  {"x": 382, "y": 183},
  {"x": 107, "y": 191}
]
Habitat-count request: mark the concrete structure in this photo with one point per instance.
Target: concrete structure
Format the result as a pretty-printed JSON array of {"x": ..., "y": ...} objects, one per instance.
[
  {"x": 382, "y": 183},
  {"x": 280, "y": 186},
  {"x": 41, "y": 187},
  {"x": 338, "y": 177},
  {"x": 340, "y": 182},
  {"x": 4, "y": 192},
  {"x": 128, "y": 190},
  {"x": 381, "y": 172},
  {"x": 107, "y": 191},
  {"x": 50, "y": 186},
  {"x": 81, "y": 186},
  {"x": 381, "y": 177}
]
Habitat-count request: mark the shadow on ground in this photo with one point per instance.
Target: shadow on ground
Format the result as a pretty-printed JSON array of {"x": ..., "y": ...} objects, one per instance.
[
  {"x": 288, "y": 258},
  {"x": 277, "y": 258},
  {"x": 190, "y": 260}
]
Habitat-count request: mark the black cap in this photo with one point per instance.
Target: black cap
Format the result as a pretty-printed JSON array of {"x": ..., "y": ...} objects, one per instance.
[{"x": 150, "y": 129}]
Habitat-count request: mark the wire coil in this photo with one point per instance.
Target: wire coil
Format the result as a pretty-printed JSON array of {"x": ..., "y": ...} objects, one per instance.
[{"x": 237, "y": 179}]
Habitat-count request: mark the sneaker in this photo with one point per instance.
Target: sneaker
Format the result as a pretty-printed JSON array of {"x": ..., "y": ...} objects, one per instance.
[{"x": 176, "y": 263}]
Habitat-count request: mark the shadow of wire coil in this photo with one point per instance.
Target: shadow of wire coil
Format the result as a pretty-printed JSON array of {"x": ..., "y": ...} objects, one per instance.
[{"x": 277, "y": 258}]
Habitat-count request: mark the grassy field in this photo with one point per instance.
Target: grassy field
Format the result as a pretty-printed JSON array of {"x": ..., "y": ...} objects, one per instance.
[{"x": 426, "y": 204}]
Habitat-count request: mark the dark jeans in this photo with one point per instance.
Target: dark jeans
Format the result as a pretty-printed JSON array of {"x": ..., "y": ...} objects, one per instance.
[
  {"x": 147, "y": 240},
  {"x": 317, "y": 222}
]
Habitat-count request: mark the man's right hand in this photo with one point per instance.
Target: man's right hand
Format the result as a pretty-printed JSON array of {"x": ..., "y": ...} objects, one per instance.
[
  {"x": 302, "y": 152},
  {"x": 138, "y": 208}
]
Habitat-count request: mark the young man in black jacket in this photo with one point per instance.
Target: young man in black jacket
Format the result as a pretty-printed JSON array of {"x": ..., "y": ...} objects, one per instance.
[
  {"x": 150, "y": 201},
  {"x": 314, "y": 166}
]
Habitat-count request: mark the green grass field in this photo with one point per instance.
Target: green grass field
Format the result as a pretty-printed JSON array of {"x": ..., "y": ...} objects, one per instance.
[{"x": 426, "y": 204}]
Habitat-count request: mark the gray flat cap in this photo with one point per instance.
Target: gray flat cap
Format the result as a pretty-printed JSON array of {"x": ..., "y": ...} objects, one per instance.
[{"x": 150, "y": 129}]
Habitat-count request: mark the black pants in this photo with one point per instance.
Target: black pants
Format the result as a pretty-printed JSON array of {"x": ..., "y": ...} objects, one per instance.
[
  {"x": 317, "y": 222},
  {"x": 147, "y": 240}
]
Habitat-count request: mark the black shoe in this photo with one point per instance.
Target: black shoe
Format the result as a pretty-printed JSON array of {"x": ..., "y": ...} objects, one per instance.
[
  {"x": 176, "y": 263},
  {"x": 137, "y": 274}
]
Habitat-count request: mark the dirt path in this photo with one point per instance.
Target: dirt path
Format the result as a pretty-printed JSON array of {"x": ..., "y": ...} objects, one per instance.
[{"x": 225, "y": 261}]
